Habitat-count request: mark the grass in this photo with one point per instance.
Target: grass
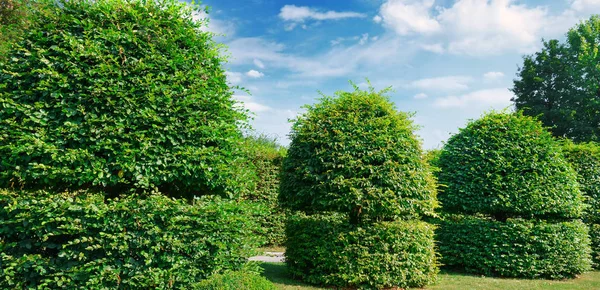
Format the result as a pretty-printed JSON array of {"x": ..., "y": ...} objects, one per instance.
[{"x": 276, "y": 273}]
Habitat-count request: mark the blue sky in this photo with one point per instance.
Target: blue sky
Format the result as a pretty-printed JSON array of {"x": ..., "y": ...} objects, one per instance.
[{"x": 448, "y": 61}]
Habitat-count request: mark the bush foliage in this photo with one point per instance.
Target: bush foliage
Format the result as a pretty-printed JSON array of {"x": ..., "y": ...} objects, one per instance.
[
  {"x": 326, "y": 249},
  {"x": 515, "y": 248},
  {"x": 507, "y": 165},
  {"x": 78, "y": 240},
  {"x": 236, "y": 281},
  {"x": 118, "y": 94},
  {"x": 585, "y": 159},
  {"x": 265, "y": 157},
  {"x": 354, "y": 153}
]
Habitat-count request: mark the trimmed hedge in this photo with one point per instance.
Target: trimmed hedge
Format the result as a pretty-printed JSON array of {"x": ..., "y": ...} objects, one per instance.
[
  {"x": 354, "y": 153},
  {"x": 236, "y": 281},
  {"x": 265, "y": 157},
  {"x": 328, "y": 250},
  {"x": 595, "y": 237},
  {"x": 515, "y": 248},
  {"x": 79, "y": 240},
  {"x": 116, "y": 95},
  {"x": 507, "y": 165},
  {"x": 585, "y": 159}
]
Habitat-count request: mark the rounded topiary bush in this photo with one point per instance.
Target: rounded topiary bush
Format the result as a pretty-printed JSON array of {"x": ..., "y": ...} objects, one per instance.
[
  {"x": 357, "y": 169},
  {"x": 520, "y": 200},
  {"x": 585, "y": 159},
  {"x": 515, "y": 248},
  {"x": 355, "y": 154},
  {"x": 118, "y": 94},
  {"x": 326, "y": 249},
  {"x": 78, "y": 240},
  {"x": 236, "y": 281},
  {"x": 507, "y": 165}
]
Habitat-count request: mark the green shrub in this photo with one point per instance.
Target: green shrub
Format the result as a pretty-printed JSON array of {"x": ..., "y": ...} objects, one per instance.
[
  {"x": 507, "y": 165},
  {"x": 118, "y": 94},
  {"x": 80, "y": 241},
  {"x": 236, "y": 281},
  {"x": 265, "y": 157},
  {"x": 354, "y": 153},
  {"x": 595, "y": 238},
  {"x": 585, "y": 159},
  {"x": 515, "y": 248},
  {"x": 328, "y": 250}
]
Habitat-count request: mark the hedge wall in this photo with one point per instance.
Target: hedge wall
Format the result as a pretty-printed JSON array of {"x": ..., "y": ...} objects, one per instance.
[
  {"x": 515, "y": 248},
  {"x": 265, "y": 157},
  {"x": 79, "y": 240},
  {"x": 326, "y": 249},
  {"x": 236, "y": 281}
]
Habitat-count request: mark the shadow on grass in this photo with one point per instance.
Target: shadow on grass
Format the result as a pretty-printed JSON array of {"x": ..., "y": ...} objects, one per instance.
[{"x": 278, "y": 274}]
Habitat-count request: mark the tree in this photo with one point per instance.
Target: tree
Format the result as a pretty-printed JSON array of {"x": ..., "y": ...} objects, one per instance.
[
  {"x": 116, "y": 95},
  {"x": 561, "y": 84}
]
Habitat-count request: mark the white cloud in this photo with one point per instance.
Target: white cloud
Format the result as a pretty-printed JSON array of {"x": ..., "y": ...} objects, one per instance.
[
  {"x": 297, "y": 14},
  {"x": 493, "y": 75},
  {"x": 488, "y": 97},
  {"x": 447, "y": 83},
  {"x": 363, "y": 39},
  {"x": 339, "y": 61},
  {"x": 251, "y": 104},
  {"x": 215, "y": 26},
  {"x": 259, "y": 63},
  {"x": 435, "y": 48},
  {"x": 254, "y": 74},
  {"x": 586, "y": 5},
  {"x": 234, "y": 77},
  {"x": 377, "y": 19},
  {"x": 472, "y": 27},
  {"x": 420, "y": 96},
  {"x": 408, "y": 16}
]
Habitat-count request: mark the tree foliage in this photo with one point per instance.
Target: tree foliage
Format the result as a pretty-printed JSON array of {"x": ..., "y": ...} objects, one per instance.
[
  {"x": 119, "y": 94},
  {"x": 561, "y": 83}
]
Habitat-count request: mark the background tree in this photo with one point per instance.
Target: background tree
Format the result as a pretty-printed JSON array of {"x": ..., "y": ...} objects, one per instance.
[{"x": 561, "y": 84}]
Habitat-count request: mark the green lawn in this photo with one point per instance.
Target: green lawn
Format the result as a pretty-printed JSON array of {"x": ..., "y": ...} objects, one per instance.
[{"x": 276, "y": 272}]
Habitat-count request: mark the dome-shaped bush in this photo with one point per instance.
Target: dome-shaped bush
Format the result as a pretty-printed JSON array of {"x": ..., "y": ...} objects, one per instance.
[
  {"x": 354, "y": 153},
  {"x": 507, "y": 165},
  {"x": 117, "y": 94}
]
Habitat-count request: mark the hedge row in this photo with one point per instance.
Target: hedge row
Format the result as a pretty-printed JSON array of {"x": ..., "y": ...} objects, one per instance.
[
  {"x": 515, "y": 248},
  {"x": 595, "y": 238},
  {"x": 78, "y": 240},
  {"x": 236, "y": 281},
  {"x": 265, "y": 157},
  {"x": 328, "y": 250}
]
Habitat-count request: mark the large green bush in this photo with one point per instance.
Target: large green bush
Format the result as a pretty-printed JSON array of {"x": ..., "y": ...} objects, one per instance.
[
  {"x": 265, "y": 157},
  {"x": 585, "y": 159},
  {"x": 515, "y": 248},
  {"x": 507, "y": 165},
  {"x": 326, "y": 249},
  {"x": 236, "y": 281},
  {"x": 354, "y": 153},
  {"x": 356, "y": 168},
  {"x": 80, "y": 241},
  {"x": 520, "y": 200},
  {"x": 118, "y": 94}
]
